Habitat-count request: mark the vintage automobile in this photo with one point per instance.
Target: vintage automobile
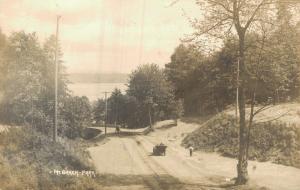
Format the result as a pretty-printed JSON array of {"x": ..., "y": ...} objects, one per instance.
[{"x": 159, "y": 149}]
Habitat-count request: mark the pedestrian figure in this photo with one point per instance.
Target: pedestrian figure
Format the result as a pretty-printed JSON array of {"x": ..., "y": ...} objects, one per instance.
[
  {"x": 191, "y": 150},
  {"x": 117, "y": 129}
]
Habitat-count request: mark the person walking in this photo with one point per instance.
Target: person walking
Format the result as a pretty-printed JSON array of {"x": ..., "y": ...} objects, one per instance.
[
  {"x": 191, "y": 150},
  {"x": 118, "y": 129}
]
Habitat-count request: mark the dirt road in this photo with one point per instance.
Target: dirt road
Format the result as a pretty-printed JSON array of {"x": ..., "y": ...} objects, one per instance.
[
  {"x": 130, "y": 157},
  {"x": 128, "y": 164}
]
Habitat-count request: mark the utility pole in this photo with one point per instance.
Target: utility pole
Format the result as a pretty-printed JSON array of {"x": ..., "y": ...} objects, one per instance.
[
  {"x": 150, "y": 119},
  {"x": 237, "y": 90},
  {"x": 105, "y": 122},
  {"x": 56, "y": 81}
]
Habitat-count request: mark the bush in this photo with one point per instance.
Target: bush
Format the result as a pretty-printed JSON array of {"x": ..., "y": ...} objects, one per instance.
[{"x": 76, "y": 115}]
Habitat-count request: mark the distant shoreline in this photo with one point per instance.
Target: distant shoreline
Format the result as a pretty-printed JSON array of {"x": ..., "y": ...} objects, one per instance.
[
  {"x": 94, "y": 91},
  {"x": 98, "y": 78},
  {"x": 71, "y": 82}
]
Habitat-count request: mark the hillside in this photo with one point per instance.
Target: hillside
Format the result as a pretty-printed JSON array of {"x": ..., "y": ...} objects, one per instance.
[
  {"x": 275, "y": 135},
  {"x": 288, "y": 113},
  {"x": 98, "y": 78},
  {"x": 28, "y": 160}
]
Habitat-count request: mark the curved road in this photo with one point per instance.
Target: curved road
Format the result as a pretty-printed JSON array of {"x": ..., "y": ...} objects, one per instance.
[{"x": 127, "y": 163}]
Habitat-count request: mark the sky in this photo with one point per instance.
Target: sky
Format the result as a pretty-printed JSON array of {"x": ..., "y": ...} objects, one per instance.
[{"x": 104, "y": 36}]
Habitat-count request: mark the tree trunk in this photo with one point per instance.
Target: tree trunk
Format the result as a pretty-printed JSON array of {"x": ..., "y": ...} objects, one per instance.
[{"x": 242, "y": 165}]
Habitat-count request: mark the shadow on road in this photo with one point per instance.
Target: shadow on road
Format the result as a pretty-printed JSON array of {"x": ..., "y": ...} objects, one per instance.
[{"x": 161, "y": 182}]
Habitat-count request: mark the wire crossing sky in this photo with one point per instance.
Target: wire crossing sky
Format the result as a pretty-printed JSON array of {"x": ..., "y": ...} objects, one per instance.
[{"x": 104, "y": 36}]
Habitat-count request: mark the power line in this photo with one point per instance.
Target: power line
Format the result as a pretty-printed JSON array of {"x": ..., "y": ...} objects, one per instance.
[{"x": 142, "y": 33}]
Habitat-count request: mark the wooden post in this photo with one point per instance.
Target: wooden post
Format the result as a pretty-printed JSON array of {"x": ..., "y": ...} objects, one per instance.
[{"x": 56, "y": 81}]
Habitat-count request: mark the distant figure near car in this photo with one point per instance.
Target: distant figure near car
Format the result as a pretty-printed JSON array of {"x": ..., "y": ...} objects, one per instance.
[
  {"x": 191, "y": 150},
  {"x": 117, "y": 129}
]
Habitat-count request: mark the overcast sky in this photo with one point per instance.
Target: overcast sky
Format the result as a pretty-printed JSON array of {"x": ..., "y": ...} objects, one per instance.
[{"x": 103, "y": 36}]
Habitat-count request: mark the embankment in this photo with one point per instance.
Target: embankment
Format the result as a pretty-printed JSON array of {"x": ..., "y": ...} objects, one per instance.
[{"x": 275, "y": 141}]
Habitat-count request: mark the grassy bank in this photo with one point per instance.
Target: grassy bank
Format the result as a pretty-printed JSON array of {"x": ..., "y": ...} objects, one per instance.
[
  {"x": 278, "y": 142},
  {"x": 28, "y": 159}
]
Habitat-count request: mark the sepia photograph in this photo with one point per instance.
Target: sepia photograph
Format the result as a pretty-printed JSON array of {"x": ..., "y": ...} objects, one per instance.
[{"x": 149, "y": 94}]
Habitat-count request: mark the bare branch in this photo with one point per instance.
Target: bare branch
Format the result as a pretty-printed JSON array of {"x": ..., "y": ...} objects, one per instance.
[
  {"x": 263, "y": 2},
  {"x": 172, "y": 3},
  {"x": 220, "y": 23},
  {"x": 241, "y": 4},
  {"x": 229, "y": 29},
  {"x": 263, "y": 108},
  {"x": 280, "y": 116},
  {"x": 217, "y": 2}
]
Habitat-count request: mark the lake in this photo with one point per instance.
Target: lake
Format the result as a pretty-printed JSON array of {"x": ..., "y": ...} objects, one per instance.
[{"x": 95, "y": 90}]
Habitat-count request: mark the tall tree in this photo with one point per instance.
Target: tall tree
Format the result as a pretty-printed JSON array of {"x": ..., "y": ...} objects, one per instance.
[
  {"x": 238, "y": 17},
  {"x": 28, "y": 81},
  {"x": 153, "y": 94},
  {"x": 22, "y": 57},
  {"x": 3, "y": 72},
  {"x": 286, "y": 46},
  {"x": 181, "y": 73},
  {"x": 48, "y": 81},
  {"x": 99, "y": 111},
  {"x": 203, "y": 82},
  {"x": 116, "y": 104}
]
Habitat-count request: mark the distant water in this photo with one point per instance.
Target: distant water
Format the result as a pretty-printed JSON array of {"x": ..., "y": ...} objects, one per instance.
[{"x": 95, "y": 90}]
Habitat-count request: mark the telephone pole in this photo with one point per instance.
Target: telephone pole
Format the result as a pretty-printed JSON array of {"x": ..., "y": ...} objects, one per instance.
[
  {"x": 56, "y": 80},
  {"x": 237, "y": 90},
  {"x": 105, "y": 122}
]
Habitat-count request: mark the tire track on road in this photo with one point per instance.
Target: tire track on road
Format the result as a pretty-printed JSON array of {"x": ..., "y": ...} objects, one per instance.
[
  {"x": 173, "y": 151},
  {"x": 160, "y": 178}
]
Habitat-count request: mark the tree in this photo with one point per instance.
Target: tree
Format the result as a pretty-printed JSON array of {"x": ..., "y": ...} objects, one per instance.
[
  {"x": 153, "y": 95},
  {"x": 219, "y": 19},
  {"x": 207, "y": 84},
  {"x": 23, "y": 58},
  {"x": 184, "y": 61},
  {"x": 204, "y": 83},
  {"x": 275, "y": 65},
  {"x": 99, "y": 111},
  {"x": 27, "y": 85},
  {"x": 47, "y": 97},
  {"x": 76, "y": 115},
  {"x": 181, "y": 73},
  {"x": 3, "y": 44},
  {"x": 116, "y": 107},
  {"x": 130, "y": 113},
  {"x": 286, "y": 46}
]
